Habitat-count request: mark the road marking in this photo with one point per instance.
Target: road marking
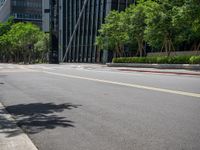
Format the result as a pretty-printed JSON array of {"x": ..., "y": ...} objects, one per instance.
[
  {"x": 128, "y": 85},
  {"x": 16, "y": 69},
  {"x": 45, "y": 68}
]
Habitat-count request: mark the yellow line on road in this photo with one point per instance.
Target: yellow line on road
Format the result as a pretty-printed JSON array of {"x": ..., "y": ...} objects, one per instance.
[{"x": 128, "y": 85}]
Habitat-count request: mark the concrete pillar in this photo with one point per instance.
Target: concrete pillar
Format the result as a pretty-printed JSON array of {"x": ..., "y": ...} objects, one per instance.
[
  {"x": 105, "y": 56},
  {"x": 45, "y": 15}
]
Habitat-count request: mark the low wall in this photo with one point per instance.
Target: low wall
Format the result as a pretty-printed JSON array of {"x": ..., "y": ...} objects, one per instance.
[
  {"x": 157, "y": 66},
  {"x": 181, "y": 53}
]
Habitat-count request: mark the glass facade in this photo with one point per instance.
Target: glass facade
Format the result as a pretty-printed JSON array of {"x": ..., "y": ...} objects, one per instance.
[
  {"x": 2, "y": 2},
  {"x": 82, "y": 47},
  {"x": 27, "y": 11}
]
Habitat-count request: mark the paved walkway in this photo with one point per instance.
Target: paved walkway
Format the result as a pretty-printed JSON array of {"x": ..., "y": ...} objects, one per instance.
[
  {"x": 11, "y": 136},
  {"x": 160, "y": 71}
]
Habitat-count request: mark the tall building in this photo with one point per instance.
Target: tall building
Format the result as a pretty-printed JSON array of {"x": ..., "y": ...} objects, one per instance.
[
  {"x": 74, "y": 26},
  {"x": 5, "y": 10},
  {"x": 26, "y": 11}
]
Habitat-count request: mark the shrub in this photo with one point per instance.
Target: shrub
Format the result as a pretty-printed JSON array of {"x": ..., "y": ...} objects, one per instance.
[
  {"x": 151, "y": 60},
  {"x": 194, "y": 60},
  {"x": 159, "y": 60},
  {"x": 162, "y": 60},
  {"x": 179, "y": 60}
]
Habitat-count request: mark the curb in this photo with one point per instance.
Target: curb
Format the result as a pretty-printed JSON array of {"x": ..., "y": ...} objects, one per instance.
[
  {"x": 19, "y": 140},
  {"x": 156, "y": 66},
  {"x": 161, "y": 72}
]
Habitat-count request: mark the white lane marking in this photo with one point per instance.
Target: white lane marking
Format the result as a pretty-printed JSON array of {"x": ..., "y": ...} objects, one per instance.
[
  {"x": 10, "y": 67},
  {"x": 17, "y": 69},
  {"x": 25, "y": 68},
  {"x": 128, "y": 85},
  {"x": 43, "y": 67}
]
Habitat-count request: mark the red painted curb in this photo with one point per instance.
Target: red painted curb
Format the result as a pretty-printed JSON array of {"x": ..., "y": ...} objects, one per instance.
[{"x": 161, "y": 72}]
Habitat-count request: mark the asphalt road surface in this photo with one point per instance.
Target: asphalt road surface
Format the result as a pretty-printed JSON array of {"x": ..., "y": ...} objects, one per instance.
[{"x": 92, "y": 107}]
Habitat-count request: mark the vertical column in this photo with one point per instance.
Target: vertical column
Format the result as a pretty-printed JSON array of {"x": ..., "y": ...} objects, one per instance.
[
  {"x": 78, "y": 32},
  {"x": 74, "y": 23},
  {"x": 97, "y": 17},
  {"x": 105, "y": 52},
  {"x": 45, "y": 15},
  {"x": 91, "y": 41},
  {"x": 118, "y": 5},
  {"x": 64, "y": 33},
  {"x": 87, "y": 30},
  {"x": 54, "y": 29},
  {"x": 60, "y": 45},
  {"x": 67, "y": 28},
  {"x": 70, "y": 28},
  {"x": 83, "y": 33}
]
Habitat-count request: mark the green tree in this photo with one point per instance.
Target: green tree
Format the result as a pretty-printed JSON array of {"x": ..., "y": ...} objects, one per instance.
[
  {"x": 191, "y": 11},
  {"x": 23, "y": 36},
  {"x": 41, "y": 48},
  {"x": 187, "y": 19},
  {"x": 134, "y": 22},
  {"x": 22, "y": 42},
  {"x": 5, "y": 44},
  {"x": 112, "y": 35},
  {"x": 160, "y": 32},
  {"x": 6, "y": 26},
  {"x": 5, "y": 48}
]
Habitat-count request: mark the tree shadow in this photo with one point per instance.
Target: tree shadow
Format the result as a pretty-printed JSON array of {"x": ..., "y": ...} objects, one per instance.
[{"x": 36, "y": 117}]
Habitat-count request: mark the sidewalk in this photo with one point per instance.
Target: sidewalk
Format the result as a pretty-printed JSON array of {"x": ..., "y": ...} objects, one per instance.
[
  {"x": 11, "y": 136},
  {"x": 195, "y": 67},
  {"x": 159, "y": 71},
  {"x": 176, "y": 69}
]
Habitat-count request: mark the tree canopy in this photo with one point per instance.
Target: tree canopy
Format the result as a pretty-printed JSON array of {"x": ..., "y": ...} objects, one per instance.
[
  {"x": 112, "y": 34},
  {"x": 164, "y": 25},
  {"x": 19, "y": 42}
]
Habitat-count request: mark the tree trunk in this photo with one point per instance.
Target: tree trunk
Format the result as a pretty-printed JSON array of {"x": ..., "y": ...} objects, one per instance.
[
  {"x": 25, "y": 56},
  {"x": 141, "y": 49},
  {"x": 167, "y": 46},
  {"x": 118, "y": 50},
  {"x": 198, "y": 47}
]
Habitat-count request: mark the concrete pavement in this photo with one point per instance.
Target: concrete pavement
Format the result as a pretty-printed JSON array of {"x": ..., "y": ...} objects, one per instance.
[
  {"x": 157, "y": 66},
  {"x": 11, "y": 136}
]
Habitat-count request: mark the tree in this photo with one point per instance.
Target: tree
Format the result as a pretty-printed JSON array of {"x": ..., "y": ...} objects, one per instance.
[
  {"x": 165, "y": 25},
  {"x": 18, "y": 42},
  {"x": 160, "y": 32},
  {"x": 5, "y": 48},
  {"x": 192, "y": 14},
  {"x": 4, "y": 40},
  {"x": 112, "y": 35},
  {"x": 187, "y": 19},
  {"x": 41, "y": 48},
  {"x": 23, "y": 36},
  {"x": 135, "y": 25},
  {"x": 5, "y": 27}
]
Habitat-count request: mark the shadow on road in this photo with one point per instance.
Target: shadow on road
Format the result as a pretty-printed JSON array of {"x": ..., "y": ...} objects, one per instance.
[{"x": 36, "y": 117}]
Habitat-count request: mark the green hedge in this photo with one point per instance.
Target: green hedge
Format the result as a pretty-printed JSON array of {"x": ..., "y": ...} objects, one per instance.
[{"x": 159, "y": 60}]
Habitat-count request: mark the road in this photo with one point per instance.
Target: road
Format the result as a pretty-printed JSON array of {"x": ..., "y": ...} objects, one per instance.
[{"x": 92, "y": 107}]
